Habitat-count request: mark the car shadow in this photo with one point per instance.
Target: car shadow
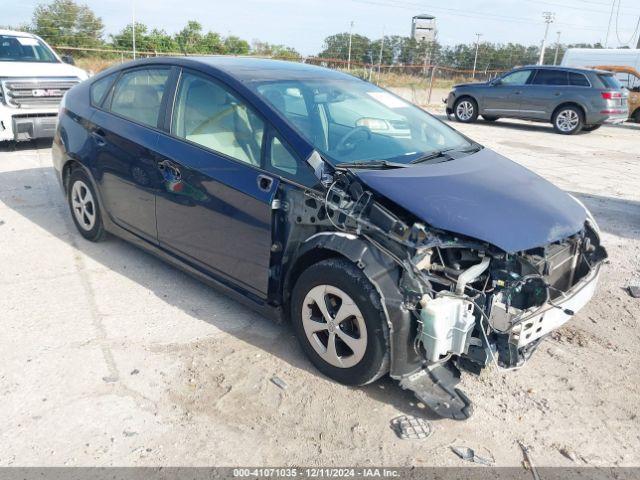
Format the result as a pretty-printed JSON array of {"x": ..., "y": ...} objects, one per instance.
[
  {"x": 163, "y": 281},
  {"x": 617, "y": 216},
  {"x": 504, "y": 123},
  {"x": 38, "y": 144}
]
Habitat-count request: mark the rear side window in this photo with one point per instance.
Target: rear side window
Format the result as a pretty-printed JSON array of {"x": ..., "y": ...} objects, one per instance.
[
  {"x": 551, "y": 77},
  {"x": 609, "y": 81},
  {"x": 99, "y": 89},
  {"x": 138, "y": 95},
  {"x": 578, "y": 80}
]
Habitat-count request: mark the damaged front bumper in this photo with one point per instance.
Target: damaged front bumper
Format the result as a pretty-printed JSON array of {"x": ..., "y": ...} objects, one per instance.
[{"x": 452, "y": 303}]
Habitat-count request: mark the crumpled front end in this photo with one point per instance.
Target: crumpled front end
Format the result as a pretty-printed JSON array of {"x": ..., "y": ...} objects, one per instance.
[{"x": 467, "y": 303}]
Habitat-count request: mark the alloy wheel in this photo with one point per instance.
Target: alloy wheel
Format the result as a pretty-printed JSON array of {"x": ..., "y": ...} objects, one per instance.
[
  {"x": 567, "y": 120},
  {"x": 334, "y": 326},
  {"x": 464, "y": 110},
  {"x": 84, "y": 207}
]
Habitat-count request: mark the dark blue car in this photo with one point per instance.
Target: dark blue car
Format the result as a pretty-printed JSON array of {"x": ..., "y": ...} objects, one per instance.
[{"x": 393, "y": 243}]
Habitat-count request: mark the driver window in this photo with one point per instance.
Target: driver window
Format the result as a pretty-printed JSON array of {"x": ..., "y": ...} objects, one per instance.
[
  {"x": 209, "y": 115},
  {"x": 516, "y": 78}
]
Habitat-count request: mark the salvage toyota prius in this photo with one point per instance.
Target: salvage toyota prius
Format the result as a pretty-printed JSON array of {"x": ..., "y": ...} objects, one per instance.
[{"x": 393, "y": 243}]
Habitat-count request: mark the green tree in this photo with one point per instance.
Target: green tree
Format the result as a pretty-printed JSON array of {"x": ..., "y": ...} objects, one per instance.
[
  {"x": 337, "y": 46},
  {"x": 65, "y": 23},
  {"x": 235, "y": 46},
  {"x": 190, "y": 37},
  {"x": 266, "y": 49}
]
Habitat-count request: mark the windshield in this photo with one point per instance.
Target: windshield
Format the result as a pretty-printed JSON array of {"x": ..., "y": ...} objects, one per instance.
[
  {"x": 24, "y": 49},
  {"x": 353, "y": 121}
]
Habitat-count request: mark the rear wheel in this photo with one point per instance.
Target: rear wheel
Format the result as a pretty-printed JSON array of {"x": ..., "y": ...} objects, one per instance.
[
  {"x": 83, "y": 203},
  {"x": 489, "y": 118},
  {"x": 590, "y": 128},
  {"x": 568, "y": 120},
  {"x": 636, "y": 116},
  {"x": 466, "y": 110},
  {"x": 338, "y": 319}
]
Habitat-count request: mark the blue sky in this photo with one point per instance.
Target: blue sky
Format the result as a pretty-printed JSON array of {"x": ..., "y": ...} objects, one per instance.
[{"x": 304, "y": 24}]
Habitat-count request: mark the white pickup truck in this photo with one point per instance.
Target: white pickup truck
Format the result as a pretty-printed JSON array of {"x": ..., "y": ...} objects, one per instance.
[{"x": 33, "y": 79}]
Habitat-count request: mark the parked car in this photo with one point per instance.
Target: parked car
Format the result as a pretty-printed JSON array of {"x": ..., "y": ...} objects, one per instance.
[
  {"x": 572, "y": 99},
  {"x": 392, "y": 242},
  {"x": 33, "y": 79},
  {"x": 630, "y": 78}
]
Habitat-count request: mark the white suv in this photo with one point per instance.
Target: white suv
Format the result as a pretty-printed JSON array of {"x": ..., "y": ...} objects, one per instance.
[{"x": 33, "y": 80}]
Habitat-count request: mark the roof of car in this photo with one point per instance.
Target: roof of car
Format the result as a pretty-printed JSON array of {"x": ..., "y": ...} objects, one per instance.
[
  {"x": 248, "y": 69},
  {"x": 570, "y": 69},
  {"x": 16, "y": 33}
]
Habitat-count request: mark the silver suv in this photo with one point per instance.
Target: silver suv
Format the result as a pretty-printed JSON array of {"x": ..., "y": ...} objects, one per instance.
[{"x": 572, "y": 99}]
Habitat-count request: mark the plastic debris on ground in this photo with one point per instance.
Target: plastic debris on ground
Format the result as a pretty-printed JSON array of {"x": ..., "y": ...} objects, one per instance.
[
  {"x": 408, "y": 427},
  {"x": 469, "y": 455},
  {"x": 279, "y": 382}
]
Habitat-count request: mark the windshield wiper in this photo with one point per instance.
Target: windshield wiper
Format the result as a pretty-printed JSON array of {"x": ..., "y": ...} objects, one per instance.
[
  {"x": 442, "y": 153},
  {"x": 378, "y": 164}
]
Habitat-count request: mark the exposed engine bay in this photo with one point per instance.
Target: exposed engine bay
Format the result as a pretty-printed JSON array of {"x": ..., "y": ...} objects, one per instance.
[{"x": 452, "y": 302}]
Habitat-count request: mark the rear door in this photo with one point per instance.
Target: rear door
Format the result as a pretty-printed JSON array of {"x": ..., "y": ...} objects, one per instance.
[
  {"x": 503, "y": 97},
  {"x": 214, "y": 208},
  {"x": 125, "y": 132},
  {"x": 547, "y": 89}
]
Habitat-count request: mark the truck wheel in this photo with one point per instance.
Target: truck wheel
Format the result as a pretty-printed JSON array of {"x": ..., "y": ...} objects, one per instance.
[
  {"x": 466, "y": 110},
  {"x": 83, "y": 203},
  {"x": 338, "y": 319},
  {"x": 568, "y": 120}
]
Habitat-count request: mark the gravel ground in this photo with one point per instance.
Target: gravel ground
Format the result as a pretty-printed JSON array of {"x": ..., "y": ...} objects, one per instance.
[{"x": 110, "y": 357}]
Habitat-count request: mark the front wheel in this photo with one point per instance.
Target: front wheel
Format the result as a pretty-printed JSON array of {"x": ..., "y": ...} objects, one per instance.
[
  {"x": 339, "y": 322},
  {"x": 466, "y": 110},
  {"x": 568, "y": 120}
]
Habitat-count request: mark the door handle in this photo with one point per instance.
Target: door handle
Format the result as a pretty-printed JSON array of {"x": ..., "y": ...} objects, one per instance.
[
  {"x": 518, "y": 92},
  {"x": 265, "y": 183},
  {"x": 98, "y": 136},
  {"x": 166, "y": 165}
]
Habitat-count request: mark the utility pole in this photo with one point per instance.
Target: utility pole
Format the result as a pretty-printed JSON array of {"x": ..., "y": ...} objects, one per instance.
[
  {"x": 380, "y": 56},
  {"x": 606, "y": 39},
  {"x": 555, "y": 58},
  {"x": 475, "y": 59},
  {"x": 133, "y": 27},
  {"x": 638, "y": 46},
  {"x": 349, "y": 57},
  {"x": 548, "y": 19}
]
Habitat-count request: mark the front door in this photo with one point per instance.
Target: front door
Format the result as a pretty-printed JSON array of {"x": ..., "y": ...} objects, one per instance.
[
  {"x": 504, "y": 96},
  {"x": 214, "y": 209}
]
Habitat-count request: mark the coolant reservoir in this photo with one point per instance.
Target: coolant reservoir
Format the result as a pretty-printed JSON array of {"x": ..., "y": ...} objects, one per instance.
[{"x": 446, "y": 326}]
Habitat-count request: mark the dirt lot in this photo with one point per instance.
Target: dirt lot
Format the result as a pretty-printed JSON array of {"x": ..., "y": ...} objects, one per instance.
[{"x": 110, "y": 357}]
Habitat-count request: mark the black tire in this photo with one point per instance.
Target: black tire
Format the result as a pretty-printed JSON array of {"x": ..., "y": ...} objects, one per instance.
[
  {"x": 568, "y": 120},
  {"x": 468, "y": 114},
  {"x": 590, "y": 128},
  {"x": 489, "y": 118},
  {"x": 93, "y": 229},
  {"x": 636, "y": 116},
  {"x": 343, "y": 275}
]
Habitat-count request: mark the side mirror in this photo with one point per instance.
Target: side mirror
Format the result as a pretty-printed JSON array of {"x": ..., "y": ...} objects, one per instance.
[
  {"x": 497, "y": 82},
  {"x": 68, "y": 59}
]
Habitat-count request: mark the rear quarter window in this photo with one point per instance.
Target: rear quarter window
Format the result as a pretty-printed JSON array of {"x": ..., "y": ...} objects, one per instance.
[
  {"x": 609, "y": 81},
  {"x": 100, "y": 88}
]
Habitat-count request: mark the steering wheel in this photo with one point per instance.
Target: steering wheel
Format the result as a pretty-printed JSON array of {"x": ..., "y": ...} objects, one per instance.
[{"x": 348, "y": 142}]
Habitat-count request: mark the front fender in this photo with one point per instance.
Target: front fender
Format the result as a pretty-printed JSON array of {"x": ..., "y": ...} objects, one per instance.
[{"x": 384, "y": 275}]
